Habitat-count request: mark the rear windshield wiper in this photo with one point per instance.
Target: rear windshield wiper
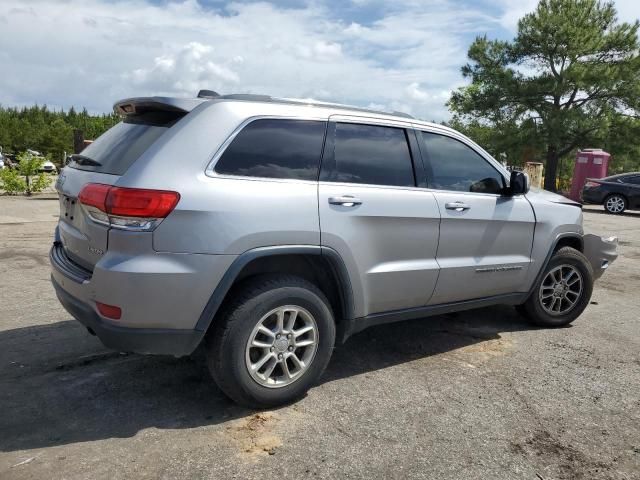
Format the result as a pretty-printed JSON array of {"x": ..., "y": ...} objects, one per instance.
[{"x": 84, "y": 160}]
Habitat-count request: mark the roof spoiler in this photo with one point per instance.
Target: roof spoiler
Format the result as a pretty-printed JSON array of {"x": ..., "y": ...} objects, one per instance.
[{"x": 137, "y": 105}]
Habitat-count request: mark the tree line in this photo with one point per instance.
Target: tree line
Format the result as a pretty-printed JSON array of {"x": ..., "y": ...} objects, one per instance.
[{"x": 48, "y": 131}]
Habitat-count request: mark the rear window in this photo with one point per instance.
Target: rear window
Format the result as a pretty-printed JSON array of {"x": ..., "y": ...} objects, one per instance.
[
  {"x": 275, "y": 148},
  {"x": 119, "y": 147}
]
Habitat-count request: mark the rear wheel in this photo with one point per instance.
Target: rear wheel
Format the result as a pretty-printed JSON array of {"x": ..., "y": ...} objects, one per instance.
[
  {"x": 563, "y": 291},
  {"x": 273, "y": 341},
  {"x": 615, "y": 204}
]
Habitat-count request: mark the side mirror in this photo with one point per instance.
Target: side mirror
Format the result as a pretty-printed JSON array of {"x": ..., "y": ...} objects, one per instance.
[{"x": 519, "y": 183}]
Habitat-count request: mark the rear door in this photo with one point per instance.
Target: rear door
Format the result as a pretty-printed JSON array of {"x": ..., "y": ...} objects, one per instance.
[
  {"x": 485, "y": 236},
  {"x": 103, "y": 161},
  {"x": 373, "y": 214}
]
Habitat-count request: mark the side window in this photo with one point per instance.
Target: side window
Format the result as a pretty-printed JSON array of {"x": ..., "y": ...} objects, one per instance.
[
  {"x": 452, "y": 165},
  {"x": 275, "y": 148},
  {"x": 634, "y": 180},
  {"x": 369, "y": 154}
]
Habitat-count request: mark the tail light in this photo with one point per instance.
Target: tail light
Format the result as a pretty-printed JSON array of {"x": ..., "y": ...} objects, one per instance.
[
  {"x": 592, "y": 184},
  {"x": 127, "y": 208}
]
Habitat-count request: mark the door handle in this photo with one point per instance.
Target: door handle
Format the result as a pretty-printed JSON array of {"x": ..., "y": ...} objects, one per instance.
[
  {"x": 345, "y": 201},
  {"x": 457, "y": 206}
]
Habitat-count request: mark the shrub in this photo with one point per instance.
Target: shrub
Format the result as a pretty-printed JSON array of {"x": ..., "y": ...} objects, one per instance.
[
  {"x": 30, "y": 166},
  {"x": 42, "y": 181},
  {"x": 12, "y": 182}
]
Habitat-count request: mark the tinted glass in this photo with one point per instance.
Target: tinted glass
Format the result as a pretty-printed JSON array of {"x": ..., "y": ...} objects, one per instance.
[
  {"x": 274, "y": 148},
  {"x": 635, "y": 180},
  {"x": 454, "y": 166},
  {"x": 370, "y": 154},
  {"x": 120, "y": 146}
]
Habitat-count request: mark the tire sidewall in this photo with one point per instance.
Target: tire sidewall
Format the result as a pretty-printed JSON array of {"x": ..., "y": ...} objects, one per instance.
[
  {"x": 249, "y": 315},
  {"x": 534, "y": 306}
]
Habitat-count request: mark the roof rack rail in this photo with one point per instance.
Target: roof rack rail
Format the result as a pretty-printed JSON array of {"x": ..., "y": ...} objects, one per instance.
[{"x": 251, "y": 97}]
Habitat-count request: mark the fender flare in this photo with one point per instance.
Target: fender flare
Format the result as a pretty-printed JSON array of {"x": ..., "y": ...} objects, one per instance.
[
  {"x": 547, "y": 259},
  {"x": 230, "y": 276}
]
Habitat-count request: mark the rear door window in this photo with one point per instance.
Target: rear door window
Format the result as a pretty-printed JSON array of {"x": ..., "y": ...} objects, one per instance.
[
  {"x": 119, "y": 147},
  {"x": 369, "y": 154},
  {"x": 275, "y": 148}
]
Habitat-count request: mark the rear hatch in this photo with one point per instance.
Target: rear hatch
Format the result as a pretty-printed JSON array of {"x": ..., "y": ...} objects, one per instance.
[{"x": 104, "y": 161}]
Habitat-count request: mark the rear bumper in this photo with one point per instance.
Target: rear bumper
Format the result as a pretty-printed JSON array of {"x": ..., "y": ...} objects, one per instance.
[
  {"x": 590, "y": 195},
  {"x": 161, "y": 295},
  {"x": 601, "y": 252},
  {"x": 124, "y": 339}
]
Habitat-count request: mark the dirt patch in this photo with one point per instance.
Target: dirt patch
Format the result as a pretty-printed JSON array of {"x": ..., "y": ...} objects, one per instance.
[
  {"x": 570, "y": 462},
  {"x": 15, "y": 255},
  {"x": 254, "y": 435},
  {"x": 484, "y": 351}
]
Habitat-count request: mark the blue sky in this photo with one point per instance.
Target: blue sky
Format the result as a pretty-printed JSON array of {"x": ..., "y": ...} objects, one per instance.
[{"x": 395, "y": 55}]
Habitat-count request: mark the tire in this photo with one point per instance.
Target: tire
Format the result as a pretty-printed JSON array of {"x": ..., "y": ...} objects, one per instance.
[
  {"x": 567, "y": 263},
  {"x": 615, "y": 204},
  {"x": 261, "y": 301}
]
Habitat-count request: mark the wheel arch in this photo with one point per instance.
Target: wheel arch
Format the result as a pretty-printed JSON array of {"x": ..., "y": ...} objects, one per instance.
[
  {"x": 321, "y": 265},
  {"x": 566, "y": 239}
]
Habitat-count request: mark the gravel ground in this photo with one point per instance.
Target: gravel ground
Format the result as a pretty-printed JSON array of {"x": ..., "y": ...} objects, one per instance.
[{"x": 479, "y": 394}]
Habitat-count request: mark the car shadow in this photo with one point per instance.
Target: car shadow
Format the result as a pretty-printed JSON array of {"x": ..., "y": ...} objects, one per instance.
[
  {"x": 60, "y": 385},
  {"x": 602, "y": 211}
]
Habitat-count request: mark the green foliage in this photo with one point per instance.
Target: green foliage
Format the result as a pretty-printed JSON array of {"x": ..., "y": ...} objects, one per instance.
[
  {"x": 566, "y": 81},
  {"x": 41, "y": 182},
  {"x": 50, "y": 132},
  {"x": 11, "y": 181},
  {"x": 29, "y": 166}
]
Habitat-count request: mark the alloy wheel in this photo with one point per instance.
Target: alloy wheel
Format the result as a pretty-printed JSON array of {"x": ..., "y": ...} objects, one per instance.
[
  {"x": 282, "y": 346},
  {"x": 560, "y": 290},
  {"x": 615, "y": 204}
]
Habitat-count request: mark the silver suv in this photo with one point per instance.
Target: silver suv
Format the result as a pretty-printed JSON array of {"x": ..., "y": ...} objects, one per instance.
[{"x": 271, "y": 229}]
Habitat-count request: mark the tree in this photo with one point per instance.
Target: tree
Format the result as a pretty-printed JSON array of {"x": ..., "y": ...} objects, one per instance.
[
  {"x": 572, "y": 69},
  {"x": 29, "y": 167}
]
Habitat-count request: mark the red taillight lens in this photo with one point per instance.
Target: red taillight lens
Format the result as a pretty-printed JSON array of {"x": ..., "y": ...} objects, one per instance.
[
  {"x": 137, "y": 202},
  {"x": 592, "y": 184},
  {"x": 109, "y": 311},
  {"x": 129, "y": 202},
  {"x": 94, "y": 195}
]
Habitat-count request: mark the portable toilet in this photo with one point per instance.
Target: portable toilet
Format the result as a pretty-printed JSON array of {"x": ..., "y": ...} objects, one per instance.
[{"x": 590, "y": 163}]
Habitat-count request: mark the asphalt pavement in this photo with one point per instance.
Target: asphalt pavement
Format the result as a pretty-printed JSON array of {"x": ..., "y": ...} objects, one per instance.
[{"x": 475, "y": 395}]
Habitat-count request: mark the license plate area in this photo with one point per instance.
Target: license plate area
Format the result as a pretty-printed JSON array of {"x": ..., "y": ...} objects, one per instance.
[{"x": 68, "y": 208}]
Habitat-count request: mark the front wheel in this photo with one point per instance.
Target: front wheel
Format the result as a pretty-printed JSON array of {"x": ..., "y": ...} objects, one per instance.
[
  {"x": 615, "y": 204},
  {"x": 272, "y": 342},
  {"x": 563, "y": 291}
]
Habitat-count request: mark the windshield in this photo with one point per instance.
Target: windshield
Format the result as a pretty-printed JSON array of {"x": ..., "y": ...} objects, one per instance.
[{"x": 118, "y": 148}]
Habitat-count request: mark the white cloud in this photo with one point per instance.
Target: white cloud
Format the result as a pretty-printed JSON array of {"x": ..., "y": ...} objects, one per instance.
[{"x": 93, "y": 52}]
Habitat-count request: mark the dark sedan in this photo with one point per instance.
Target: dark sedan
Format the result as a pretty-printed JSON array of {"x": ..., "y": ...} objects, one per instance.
[{"x": 617, "y": 193}]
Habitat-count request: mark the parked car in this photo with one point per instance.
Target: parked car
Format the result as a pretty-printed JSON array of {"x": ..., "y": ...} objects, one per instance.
[
  {"x": 48, "y": 167},
  {"x": 617, "y": 192},
  {"x": 10, "y": 161},
  {"x": 287, "y": 226}
]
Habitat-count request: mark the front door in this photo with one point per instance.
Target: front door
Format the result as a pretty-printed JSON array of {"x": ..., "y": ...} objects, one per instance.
[
  {"x": 374, "y": 216},
  {"x": 485, "y": 236}
]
